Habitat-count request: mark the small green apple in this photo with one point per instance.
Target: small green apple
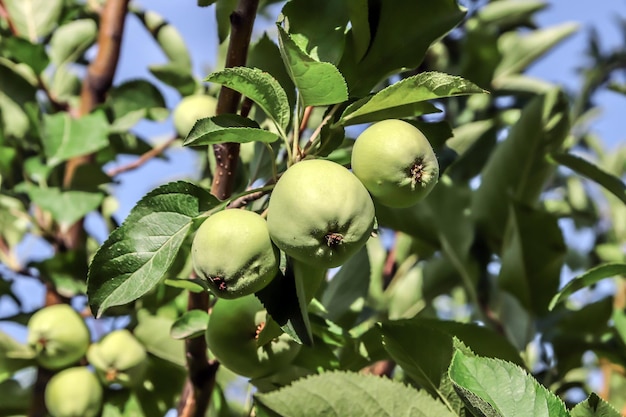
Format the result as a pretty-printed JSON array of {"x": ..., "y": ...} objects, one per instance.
[
  {"x": 190, "y": 110},
  {"x": 232, "y": 337},
  {"x": 233, "y": 252},
  {"x": 58, "y": 335},
  {"x": 118, "y": 358},
  {"x": 73, "y": 392},
  {"x": 320, "y": 213},
  {"x": 395, "y": 162}
]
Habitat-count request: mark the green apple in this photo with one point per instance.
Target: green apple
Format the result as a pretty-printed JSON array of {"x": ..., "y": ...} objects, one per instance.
[
  {"x": 320, "y": 213},
  {"x": 190, "y": 110},
  {"x": 58, "y": 335},
  {"x": 395, "y": 162},
  {"x": 232, "y": 335},
  {"x": 118, "y": 358},
  {"x": 233, "y": 252},
  {"x": 73, "y": 392}
]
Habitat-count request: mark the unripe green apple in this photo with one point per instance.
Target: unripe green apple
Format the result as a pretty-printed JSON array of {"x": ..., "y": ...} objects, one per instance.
[
  {"x": 233, "y": 251},
  {"x": 73, "y": 392},
  {"x": 232, "y": 337},
  {"x": 190, "y": 110},
  {"x": 320, "y": 213},
  {"x": 118, "y": 358},
  {"x": 59, "y": 336},
  {"x": 395, "y": 162}
]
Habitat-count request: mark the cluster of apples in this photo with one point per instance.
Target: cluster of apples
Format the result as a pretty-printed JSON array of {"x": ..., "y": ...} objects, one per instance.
[
  {"x": 320, "y": 214},
  {"x": 60, "y": 340}
]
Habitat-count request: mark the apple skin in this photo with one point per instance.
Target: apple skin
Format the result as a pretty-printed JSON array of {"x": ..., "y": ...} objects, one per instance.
[
  {"x": 395, "y": 162},
  {"x": 233, "y": 252},
  {"x": 232, "y": 337},
  {"x": 319, "y": 213},
  {"x": 119, "y": 358},
  {"x": 73, "y": 392},
  {"x": 190, "y": 110},
  {"x": 59, "y": 336}
]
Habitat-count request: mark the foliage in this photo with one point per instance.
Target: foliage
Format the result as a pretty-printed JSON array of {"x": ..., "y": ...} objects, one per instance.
[{"x": 457, "y": 300}]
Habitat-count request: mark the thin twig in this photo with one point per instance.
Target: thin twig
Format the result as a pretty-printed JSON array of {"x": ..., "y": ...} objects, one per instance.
[
  {"x": 101, "y": 71},
  {"x": 316, "y": 133},
  {"x": 152, "y": 153}
]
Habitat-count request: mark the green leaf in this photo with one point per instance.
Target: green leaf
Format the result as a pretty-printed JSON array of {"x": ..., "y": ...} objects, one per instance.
[
  {"x": 66, "y": 137},
  {"x": 326, "y": 395},
  {"x": 71, "y": 40},
  {"x": 588, "y": 278},
  {"x": 265, "y": 56},
  {"x": 319, "y": 83},
  {"x": 393, "y": 26},
  {"x": 401, "y": 99},
  {"x": 317, "y": 28},
  {"x": 16, "y": 399},
  {"x": 154, "y": 333},
  {"x": 133, "y": 101},
  {"x": 518, "y": 51},
  {"x": 494, "y": 387},
  {"x": 509, "y": 12},
  {"x": 15, "y": 93},
  {"x": 22, "y": 51},
  {"x": 34, "y": 19},
  {"x": 518, "y": 169},
  {"x": 175, "y": 75},
  {"x": 13, "y": 356},
  {"x": 169, "y": 39},
  {"x": 66, "y": 207},
  {"x": 286, "y": 299},
  {"x": 360, "y": 35},
  {"x": 66, "y": 270},
  {"x": 348, "y": 286},
  {"x": 610, "y": 182},
  {"x": 259, "y": 87},
  {"x": 594, "y": 406},
  {"x": 191, "y": 324},
  {"x": 471, "y": 143},
  {"x": 137, "y": 255},
  {"x": 532, "y": 257},
  {"x": 423, "y": 347},
  {"x": 227, "y": 128}
]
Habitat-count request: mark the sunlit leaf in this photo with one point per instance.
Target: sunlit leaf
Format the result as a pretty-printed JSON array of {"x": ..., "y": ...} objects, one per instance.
[
  {"x": 319, "y": 83},
  {"x": 137, "y": 255},
  {"x": 587, "y": 279},
  {"x": 227, "y": 128},
  {"x": 369, "y": 396},
  {"x": 259, "y": 87}
]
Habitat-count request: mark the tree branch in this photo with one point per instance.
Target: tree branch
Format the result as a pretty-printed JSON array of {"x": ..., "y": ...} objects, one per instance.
[
  {"x": 201, "y": 379},
  {"x": 226, "y": 155},
  {"x": 101, "y": 71}
]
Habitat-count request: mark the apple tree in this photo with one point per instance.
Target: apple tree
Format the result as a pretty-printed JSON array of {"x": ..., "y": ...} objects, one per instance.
[{"x": 386, "y": 217}]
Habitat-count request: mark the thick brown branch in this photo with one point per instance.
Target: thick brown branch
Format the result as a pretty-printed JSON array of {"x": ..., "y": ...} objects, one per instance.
[
  {"x": 201, "y": 372},
  {"x": 226, "y": 155},
  {"x": 201, "y": 379},
  {"x": 101, "y": 71}
]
